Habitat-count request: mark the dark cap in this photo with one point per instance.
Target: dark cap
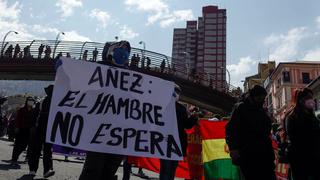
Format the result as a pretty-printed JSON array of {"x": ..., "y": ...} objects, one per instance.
[{"x": 257, "y": 91}]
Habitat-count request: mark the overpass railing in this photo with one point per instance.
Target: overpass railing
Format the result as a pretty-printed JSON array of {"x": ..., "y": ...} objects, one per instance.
[{"x": 84, "y": 51}]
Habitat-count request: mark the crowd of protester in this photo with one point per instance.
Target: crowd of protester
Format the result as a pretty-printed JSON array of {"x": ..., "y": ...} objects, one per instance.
[{"x": 250, "y": 132}]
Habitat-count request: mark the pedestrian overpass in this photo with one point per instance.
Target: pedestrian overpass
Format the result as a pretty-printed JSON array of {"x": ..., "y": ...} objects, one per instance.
[{"x": 28, "y": 64}]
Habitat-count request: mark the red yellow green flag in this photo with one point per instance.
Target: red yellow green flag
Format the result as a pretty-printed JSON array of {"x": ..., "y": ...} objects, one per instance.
[{"x": 216, "y": 160}]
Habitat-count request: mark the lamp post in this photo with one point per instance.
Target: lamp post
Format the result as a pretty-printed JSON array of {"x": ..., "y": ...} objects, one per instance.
[
  {"x": 82, "y": 49},
  {"x": 228, "y": 76},
  {"x": 4, "y": 39},
  {"x": 56, "y": 43},
  {"x": 116, "y": 38},
  {"x": 143, "y": 53},
  {"x": 144, "y": 47}
]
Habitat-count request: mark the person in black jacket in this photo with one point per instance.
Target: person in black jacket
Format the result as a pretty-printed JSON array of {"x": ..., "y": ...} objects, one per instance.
[
  {"x": 26, "y": 117},
  {"x": 39, "y": 139},
  {"x": 248, "y": 137},
  {"x": 303, "y": 129},
  {"x": 185, "y": 121}
]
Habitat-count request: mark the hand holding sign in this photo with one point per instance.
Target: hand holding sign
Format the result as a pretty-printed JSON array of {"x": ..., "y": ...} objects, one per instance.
[{"x": 113, "y": 110}]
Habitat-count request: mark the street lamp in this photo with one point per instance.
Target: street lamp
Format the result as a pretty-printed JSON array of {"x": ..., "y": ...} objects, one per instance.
[
  {"x": 116, "y": 38},
  {"x": 82, "y": 49},
  {"x": 144, "y": 44},
  {"x": 144, "y": 47},
  {"x": 4, "y": 39},
  {"x": 56, "y": 42},
  {"x": 228, "y": 76},
  {"x": 143, "y": 53}
]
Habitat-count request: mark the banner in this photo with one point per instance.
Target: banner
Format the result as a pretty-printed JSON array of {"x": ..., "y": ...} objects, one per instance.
[
  {"x": 217, "y": 163},
  {"x": 113, "y": 110},
  {"x": 282, "y": 171},
  {"x": 66, "y": 151},
  {"x": 190, "y": 168}
]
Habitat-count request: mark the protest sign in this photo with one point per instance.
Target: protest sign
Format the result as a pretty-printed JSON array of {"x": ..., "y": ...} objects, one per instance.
[
  {"x": 107, "y": 109},
  {"x": 190, "y": 168},
  {"x": 66, "y": 151}
]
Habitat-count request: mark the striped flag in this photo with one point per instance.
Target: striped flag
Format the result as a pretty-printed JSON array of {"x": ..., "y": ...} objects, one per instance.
[{"x": 216, "y": 160}]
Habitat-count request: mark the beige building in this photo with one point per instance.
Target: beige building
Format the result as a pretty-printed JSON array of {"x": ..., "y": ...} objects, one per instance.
[
  {"x": 264, "y": 70},
  {"x": 284, "y": 81}
]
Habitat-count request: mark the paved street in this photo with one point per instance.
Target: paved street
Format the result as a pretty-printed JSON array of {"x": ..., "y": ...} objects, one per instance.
[{"x": 64, "y": 170}]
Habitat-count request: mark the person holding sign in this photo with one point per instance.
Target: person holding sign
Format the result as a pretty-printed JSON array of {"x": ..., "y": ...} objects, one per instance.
[
  {"x": 104, "y": 165},
  {"x": 111, "y": 111},
  {"x": 185, "y": 121}
]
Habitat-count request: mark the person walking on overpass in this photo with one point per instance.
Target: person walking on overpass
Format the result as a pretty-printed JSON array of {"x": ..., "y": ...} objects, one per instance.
[{"x": 95, "y": 53}]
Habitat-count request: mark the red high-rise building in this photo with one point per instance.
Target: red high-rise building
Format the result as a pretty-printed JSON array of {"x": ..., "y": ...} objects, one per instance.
[{"x": 200, "y": 48}]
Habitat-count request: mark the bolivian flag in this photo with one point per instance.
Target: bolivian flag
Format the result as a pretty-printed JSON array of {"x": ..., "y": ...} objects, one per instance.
[{"x": 216, "y": 160}]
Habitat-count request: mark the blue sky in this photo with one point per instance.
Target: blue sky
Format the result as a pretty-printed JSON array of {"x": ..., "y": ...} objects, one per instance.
[{"x": 286, "y": 30}]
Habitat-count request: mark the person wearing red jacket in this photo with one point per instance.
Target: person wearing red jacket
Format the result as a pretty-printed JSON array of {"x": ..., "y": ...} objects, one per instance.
[{"x": 26, "y": 117}]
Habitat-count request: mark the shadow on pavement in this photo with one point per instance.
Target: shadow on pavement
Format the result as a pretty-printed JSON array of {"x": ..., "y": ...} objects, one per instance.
[
  {"x": 30, "y": 177},
  {"x": 4, "y": 139},
  {"x": 6, "y": 167},
  {"x": 145, "y": 177}
]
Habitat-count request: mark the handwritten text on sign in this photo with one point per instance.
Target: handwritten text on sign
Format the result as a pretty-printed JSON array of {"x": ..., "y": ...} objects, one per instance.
[{"x": 106, "y": 109}]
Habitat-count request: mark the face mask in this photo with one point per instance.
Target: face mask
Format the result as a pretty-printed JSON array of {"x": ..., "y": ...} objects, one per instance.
[{"x": 309, "y": 104}]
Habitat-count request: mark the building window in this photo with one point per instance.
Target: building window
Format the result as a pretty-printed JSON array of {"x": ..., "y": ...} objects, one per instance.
[
  {"x": 286, "y": 76},
  {"x": 305, "y": 78},
  {"x": 278, "y": 83}
]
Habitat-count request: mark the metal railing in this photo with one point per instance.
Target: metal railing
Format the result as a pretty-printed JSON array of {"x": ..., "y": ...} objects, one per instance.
[{"x": 84, "y": 51}]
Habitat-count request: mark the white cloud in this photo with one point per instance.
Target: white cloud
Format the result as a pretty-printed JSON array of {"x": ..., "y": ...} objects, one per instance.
[
  {"x": 159, "y": 12},
  {"x": 9, "y": 12},
  {"x": 127, "y": 33},
  {"x": 285, "y": 46},
  {"x": 179, "y": 15},
  {"x": 74, "y": 36},
  {"x": 22, "y": 29},
  {"x": 67, "y": 6},
  {"x": 245, "y": 67},
  {"x": 154, "y": 6},
  {"x": 312, "y": 55},
  {"x": 27, "y": 32},
  {"x": 9, "y": 21},
  {"x": 42, "y": 29},
  {"x": 103, "y": 17}
]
